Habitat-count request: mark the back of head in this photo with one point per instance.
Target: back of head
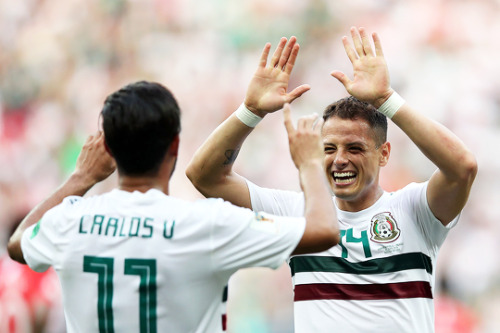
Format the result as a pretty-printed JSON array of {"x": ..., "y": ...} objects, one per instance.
[
  {"x": 354, "y": 109},
  {"x": 140, "y": 122}
]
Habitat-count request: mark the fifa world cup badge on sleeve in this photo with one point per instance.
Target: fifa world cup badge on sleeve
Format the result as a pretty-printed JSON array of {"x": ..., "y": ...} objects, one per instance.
[
  {"x": 384, "y": 228},
  {"x": 264, "y": 223}
]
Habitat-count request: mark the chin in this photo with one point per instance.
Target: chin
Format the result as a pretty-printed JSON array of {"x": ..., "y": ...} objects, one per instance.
[{"x": 344, "y": 194}]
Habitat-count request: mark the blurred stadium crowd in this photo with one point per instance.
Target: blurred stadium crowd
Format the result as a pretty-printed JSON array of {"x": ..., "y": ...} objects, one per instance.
[{"x": 59, "y": 59}]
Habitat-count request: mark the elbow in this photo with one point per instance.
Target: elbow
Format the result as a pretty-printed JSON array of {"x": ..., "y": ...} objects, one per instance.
[
  {"x": 319, "y": 240},
  {"x": 195, "y": 175},
  {"x": 191, "y": 173},
  {"x": 336, "y": 237},
  {"x": 15, "y": 252},
  {"x": 332, "y": 238},
  {"x": 468, "y": 168}
]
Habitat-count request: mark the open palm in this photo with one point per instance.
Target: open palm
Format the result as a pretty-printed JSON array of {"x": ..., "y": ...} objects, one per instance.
[
  {"x": 371, "y": 81},
  {"x": 267, "y": 91}
]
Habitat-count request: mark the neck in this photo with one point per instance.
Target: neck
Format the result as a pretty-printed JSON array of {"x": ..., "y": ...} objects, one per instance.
[
  {"x": 143, "y": 184},
  {"x": 359, "y": 204}
]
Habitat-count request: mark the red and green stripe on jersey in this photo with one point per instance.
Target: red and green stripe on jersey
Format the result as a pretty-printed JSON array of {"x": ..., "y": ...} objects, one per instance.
[{"x": 372, "y": 279}]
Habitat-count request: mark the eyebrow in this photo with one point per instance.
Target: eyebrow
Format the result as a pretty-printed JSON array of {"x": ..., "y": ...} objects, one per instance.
[{"x": 350, "y": 144}]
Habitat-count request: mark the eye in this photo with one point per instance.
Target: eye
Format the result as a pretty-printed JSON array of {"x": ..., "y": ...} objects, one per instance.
[
  {"x": 355, "y": 149},
  {"x": 330, "y": 150}
]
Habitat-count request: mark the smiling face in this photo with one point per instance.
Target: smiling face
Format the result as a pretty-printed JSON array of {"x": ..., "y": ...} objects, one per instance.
[{"x": 353, "y": 161}]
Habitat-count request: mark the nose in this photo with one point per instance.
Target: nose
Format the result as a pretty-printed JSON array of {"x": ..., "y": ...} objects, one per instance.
[{"x": 340, "y": 160}]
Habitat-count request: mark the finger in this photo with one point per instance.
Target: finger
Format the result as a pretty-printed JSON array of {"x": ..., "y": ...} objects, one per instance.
[
  {"x": 100, "y": 139},
  {"x": 357, "y": 41},
  {"x": 351, "y": 54},
  {"x": 89, "y": 139},
  {"x": 288, "y": 119},
  {"x": 378, "y": 45},
  {"x": 342, "y": 78},
  {"x": 264, "y": 55},
  {"x": 291, "y": 60},
  {"x": 278, "y": 51},
  {"x": 318, "y": 125},
  {"x": 297, "y": 92},
  {"x": 287, "y": 52},
  {"x": 307, "y": 122},
  {"x": 97, "y": 137},
  {"x": 365, "y": 40}
]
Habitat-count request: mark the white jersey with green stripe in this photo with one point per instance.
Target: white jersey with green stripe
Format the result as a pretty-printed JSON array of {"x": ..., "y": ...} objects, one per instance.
[
  {"x": 147, "y": 262},
  {"x": 380, "y": 278}
]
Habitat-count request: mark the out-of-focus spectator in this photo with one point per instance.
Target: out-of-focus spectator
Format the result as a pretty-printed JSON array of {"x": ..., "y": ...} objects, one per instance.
[
  {"x": 30, "y": 302},
  {"x": 453, "y": 315},
  {"x": 59, "y": 59}
]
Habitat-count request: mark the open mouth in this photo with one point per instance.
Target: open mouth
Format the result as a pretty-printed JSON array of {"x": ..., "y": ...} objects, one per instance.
[{"x": 344, "y": 177}]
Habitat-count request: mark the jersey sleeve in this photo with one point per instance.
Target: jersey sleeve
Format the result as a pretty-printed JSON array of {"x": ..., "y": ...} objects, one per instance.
[
  {"x": 241, "y": 238},
  {"x": 433, "y": 230},
  {"x": 39, "y": 241},
  {"x": 276, "y": 202}
]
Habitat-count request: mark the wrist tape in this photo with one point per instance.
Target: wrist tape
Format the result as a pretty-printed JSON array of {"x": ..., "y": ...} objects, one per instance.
[
  {"x": 246, "y": 116},
  {"x": 392, "y": 105}
]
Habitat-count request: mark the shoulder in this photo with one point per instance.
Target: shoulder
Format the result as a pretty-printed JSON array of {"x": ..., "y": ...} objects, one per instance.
[
  {"x": 257, "y": 190},
  {"x": 413, "y": 191},
  {"x": 278, "y": 202},
  {"x": 68, "y": 204},
  {"x": 217, "y": 205}
]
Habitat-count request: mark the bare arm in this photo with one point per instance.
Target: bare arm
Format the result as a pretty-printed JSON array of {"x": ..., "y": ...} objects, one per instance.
[
  {"x": 450, "y": 185},
  {"x": 211, "y": 168},
  {"x": 94, "y": 164},
  {"x": 306, "y": 148}
]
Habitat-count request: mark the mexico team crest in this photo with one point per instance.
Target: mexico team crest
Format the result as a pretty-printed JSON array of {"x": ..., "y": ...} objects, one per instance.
[{"x": 384, "y": 228}]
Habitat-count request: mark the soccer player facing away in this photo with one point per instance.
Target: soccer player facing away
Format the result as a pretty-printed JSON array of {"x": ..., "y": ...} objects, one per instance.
[
  {"x": 136, "y": 259},
  {"x": 380, "y": 277}
]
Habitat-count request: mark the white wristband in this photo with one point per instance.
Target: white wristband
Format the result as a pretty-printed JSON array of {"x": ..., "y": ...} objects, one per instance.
[
  {"x": 246, "y": 116},
  {"x": 392, "y": 105}
]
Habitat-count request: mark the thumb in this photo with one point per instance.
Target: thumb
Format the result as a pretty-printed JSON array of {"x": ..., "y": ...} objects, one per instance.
[
  {"x": 341, "y": 77},
  {"x": 297, "y": 92}
]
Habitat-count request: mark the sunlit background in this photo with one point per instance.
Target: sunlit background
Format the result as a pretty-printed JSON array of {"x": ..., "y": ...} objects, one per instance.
[{"x": 59, "y": 60}]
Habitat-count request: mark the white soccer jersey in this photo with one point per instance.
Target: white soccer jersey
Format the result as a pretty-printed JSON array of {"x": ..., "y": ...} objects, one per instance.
[
  {"x": 380, "y": 278},
  {"x": 147, "y": 262}
]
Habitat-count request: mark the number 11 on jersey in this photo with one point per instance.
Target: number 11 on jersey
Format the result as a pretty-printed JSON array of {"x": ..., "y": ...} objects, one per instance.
[{"x": 145, "y": 269}]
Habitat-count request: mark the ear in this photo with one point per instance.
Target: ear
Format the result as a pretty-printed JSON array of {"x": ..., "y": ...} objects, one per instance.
[
  {"x": 385, "y": 152},
  {"x": 107, "y": 148},
  {"x": 174, "y": 146}
]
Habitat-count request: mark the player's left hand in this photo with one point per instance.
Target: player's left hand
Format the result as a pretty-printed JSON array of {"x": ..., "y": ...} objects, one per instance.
[
  {"x": 371, "y": 81},
  {"x": 306, "y": 145}
]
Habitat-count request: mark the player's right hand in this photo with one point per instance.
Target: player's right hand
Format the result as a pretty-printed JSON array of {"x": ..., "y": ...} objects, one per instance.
[
  {"x": 267, "y": 91},
  {"x": 94, "y": 162}
]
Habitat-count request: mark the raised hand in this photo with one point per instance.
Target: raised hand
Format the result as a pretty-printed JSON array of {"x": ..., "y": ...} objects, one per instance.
[
  {"x": 267, "y": 91},
  {"x": 371, "y": 81},
  {"x": 305, "y": 141},
  {"x": 94, "y": 162}
]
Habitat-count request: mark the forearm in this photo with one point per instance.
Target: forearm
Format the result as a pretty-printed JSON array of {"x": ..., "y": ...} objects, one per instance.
[
  {"x": 438, "y": 144},
  {"x": 211, "y": 168},
  {"x": 322, "y": 230},
  {"x": 77, "y": 184}
]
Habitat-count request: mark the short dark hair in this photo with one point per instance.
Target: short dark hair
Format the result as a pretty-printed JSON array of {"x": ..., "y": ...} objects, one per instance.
[
  {"x": 352, "y": 108},
  {"x": 140, "y": 122}
]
